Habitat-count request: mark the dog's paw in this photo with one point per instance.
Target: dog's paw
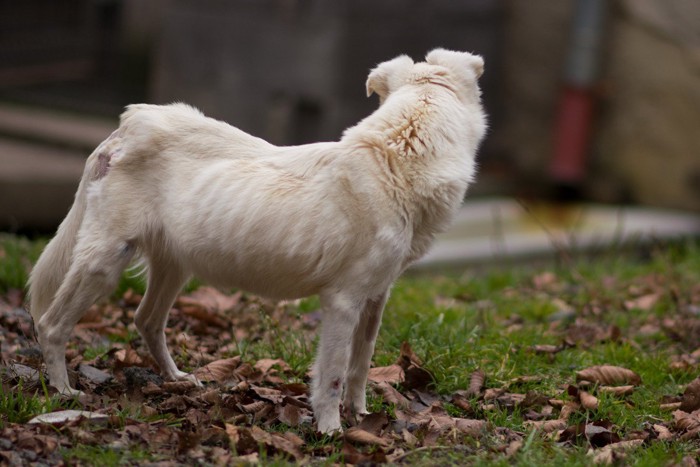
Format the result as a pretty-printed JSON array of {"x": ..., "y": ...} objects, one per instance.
[
  {"x": 182, "y": 376},
  {"x": 330, "y": 429},
  {"x": 330, "y": 425},
  {"x": 68, "y": 393},
  {"x": 354, "y": 416}
]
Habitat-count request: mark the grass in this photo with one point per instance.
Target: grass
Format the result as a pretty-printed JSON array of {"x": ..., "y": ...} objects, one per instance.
[
  {"x": 107, "y": 456},
  {"x": 20, "y": 406},
  {"x": 488, "y": 320},
  {"x": 16, "y": 257}
]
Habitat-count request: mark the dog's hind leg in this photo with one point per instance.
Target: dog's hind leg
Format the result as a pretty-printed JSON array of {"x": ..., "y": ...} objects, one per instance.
[
  {"x": 96, "y": 267},
  {"x": 341, "y": 316},
  {"x": 363, "y": 340},
  {"x": 164, "y": 282}
]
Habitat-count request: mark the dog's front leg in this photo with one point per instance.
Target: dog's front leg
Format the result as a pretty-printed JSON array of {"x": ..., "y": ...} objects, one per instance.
[
  {"x": 341, "y": 315},
  {"x": 363, "y": 340}
]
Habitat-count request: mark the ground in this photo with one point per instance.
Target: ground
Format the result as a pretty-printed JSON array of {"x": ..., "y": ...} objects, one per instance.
[{"x": 589, "y": 360}]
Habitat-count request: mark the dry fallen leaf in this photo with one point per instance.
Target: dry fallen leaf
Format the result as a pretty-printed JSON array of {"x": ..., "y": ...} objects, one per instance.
[
  {"x": 544, "y": 280},
  {"x": 352, "y": 456},
  {"x": 588, "y": 401},
  {"x": 644, "y": 303},
  {"x": 608, "y": 375},
  {"x": 613, "y": 452},
  {"x": 525, "y": 379},
  {"x": 598, "y": 433},
  {"x": 391, "y": 395},
  {"x": 568, "y": 409},
  {"x": 127, "y": 357},
  {"x": 94, "y": 375},
  {"x": 670, "y": 406},
  {"x": 218, "y": 370},
  {"x": 265, "y": 365},
  {"x": 178, "y": 387},
  {"x": 151, "y": 389},
  {"x": 547, "y": 349},
  {"x": 662, "y": 432},
  {"x": 39, "y": 444},
  {"x": 269, "y": 394},
  {"x": 212, "y": 396},
  {"x": 617, "y": 390},
  {"x": 233, "y": 432},
  {"x": 547, "y": 426},
  {"x": 392, "y": 374},
  {"x": 684, "y": 421},
  {"x": 476, "y": 383},
  {"x": 290, "y": 415},
  {"x": 585, "y": 334},
  {"x": 471, "y": 427},
  {"x": 360, "y": 436},
  {"x": 691, "y": 397},
  {"x": 408, "y": 438},
  {"x": 206, "y": 316},
  {"x": 253, "y": 407},
  {"x": 407, "y": 356},
  {"x": 461, "y": 401},
  {"x": 513, "y": 448},
  {"x": 688, "y": 461},
  {"x": 415, "y": 376},
  {"x": 278, "y": 442},
  {"x": 65, "y": 416},
  {"x": 374, "y": 423},
  {"x": 493, "y": 393},
  {"x": 210, "y": 299}
]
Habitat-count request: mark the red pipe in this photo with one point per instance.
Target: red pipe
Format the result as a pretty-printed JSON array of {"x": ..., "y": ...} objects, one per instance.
[
  {"x": 574, "y": 118},
  {"x": 571, "y": 136}
]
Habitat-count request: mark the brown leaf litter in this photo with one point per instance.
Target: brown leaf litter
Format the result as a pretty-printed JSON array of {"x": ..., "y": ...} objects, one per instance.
[{"x": 253, "y": 409}]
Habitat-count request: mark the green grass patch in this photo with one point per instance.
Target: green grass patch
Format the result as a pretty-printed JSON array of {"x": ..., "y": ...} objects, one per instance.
[
  {"x": 106, "y": 456},
  {"x": 18, "y": 405},
  {"x": 16, "y": 257}
]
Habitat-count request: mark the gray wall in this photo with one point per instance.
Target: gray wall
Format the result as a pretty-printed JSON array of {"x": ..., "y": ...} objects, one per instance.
[{"x": 294, "y": 71}]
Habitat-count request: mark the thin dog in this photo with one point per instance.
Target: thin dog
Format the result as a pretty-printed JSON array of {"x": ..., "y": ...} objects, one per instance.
[{"x": 192, "y": 196}]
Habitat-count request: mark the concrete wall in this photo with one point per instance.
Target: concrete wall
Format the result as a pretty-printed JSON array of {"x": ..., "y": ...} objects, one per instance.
[
  {"x": 646, "y": 143},
  {"x": 649, "y": 132}
]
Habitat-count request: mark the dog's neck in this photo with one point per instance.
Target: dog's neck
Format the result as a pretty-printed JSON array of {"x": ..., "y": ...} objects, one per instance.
[
  {"x": 425, "y": 138},
  {"x": 397, "y": 126},
  {"x": 423, "y": 130}
]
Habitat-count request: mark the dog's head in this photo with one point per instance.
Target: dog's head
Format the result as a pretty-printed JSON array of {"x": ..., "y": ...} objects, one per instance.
[{"x": 456, "y": 70}]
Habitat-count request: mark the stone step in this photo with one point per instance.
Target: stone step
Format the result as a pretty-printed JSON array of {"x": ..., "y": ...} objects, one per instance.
[
  {"x": 54, "y": 128},
  {"x": 37, "y": 184},
  {"x": 496, "y": 230},
  {"x": 42, "y": 153}
]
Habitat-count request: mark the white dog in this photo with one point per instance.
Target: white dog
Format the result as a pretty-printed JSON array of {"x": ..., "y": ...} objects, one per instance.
[{"x": 195, "y": 196}]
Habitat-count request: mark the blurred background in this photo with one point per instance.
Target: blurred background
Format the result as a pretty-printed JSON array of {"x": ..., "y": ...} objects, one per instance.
[{"x": 594, "y": 100}]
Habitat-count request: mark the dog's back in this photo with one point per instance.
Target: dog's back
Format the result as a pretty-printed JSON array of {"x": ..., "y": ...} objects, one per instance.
[{"x": 179, "y": 129}]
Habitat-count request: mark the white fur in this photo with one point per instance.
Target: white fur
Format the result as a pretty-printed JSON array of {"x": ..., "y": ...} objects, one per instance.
[{"x": 195, "y": 196}]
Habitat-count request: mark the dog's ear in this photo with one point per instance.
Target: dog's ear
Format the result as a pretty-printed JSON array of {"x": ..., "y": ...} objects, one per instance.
[
  {"x": 459, "y": 62},
  {"x": 387, "y": 76}
]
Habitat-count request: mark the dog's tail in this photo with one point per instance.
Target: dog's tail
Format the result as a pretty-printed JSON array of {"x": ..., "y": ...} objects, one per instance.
[{"x": 53, "y": 264}]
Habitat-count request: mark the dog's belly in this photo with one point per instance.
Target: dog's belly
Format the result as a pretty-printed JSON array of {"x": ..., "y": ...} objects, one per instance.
[
  {"x": 275, "y": 256},
  {"x": 287, "y": 279}
]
